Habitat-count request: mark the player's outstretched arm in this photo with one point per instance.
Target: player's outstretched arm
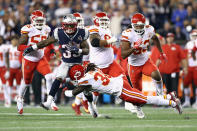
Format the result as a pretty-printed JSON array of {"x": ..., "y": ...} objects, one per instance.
[
  {"x": 85, "y": 47},
  {"x": 96, "y": 41},
  {"x": 80, "y": 89},
  {"x": 40, "y": 45},
  {"x": 126, "y": 49}
]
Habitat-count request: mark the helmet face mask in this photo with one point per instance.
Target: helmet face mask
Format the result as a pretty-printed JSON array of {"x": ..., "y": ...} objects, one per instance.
[
  {"x": 138, "y": 23},
  {"x": 101, "y": 19},
  {"x": 38, "y": 19},
  {"x": 69, "y": 24}
]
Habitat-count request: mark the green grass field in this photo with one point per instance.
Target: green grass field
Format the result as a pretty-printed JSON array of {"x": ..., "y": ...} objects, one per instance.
[{"x": 157, "y": 119}]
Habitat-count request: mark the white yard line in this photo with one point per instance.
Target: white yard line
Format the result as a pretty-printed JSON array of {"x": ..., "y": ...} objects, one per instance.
[{"x": 95, "y": 127}]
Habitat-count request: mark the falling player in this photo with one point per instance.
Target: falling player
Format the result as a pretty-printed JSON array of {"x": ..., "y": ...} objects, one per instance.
[
  {"x": 95, "y": 80},
  {"x": 135, "y": 42},
  {"x": 31, "y": 35}
]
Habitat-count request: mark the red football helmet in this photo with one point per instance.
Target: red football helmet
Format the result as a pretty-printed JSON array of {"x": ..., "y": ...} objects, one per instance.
[
  {"x": 193, "y": 34},
  {"x": 138, "y": 23},
  {"x": 80, "y": 20},
  {"x": 76, "y": 72},
  {"x": 69, "y": 24},
  {"x": 101, "y": 19},
  {"x": 38, "y": 19}
]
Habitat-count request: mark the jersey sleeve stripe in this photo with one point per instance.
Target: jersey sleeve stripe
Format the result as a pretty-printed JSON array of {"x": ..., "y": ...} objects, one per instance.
[
  {"x": 83, "y": 82},
  {"x": 24, "y": 32},
  {"x": 93, "y": 30},
  {"x": 126, "y": 37}
]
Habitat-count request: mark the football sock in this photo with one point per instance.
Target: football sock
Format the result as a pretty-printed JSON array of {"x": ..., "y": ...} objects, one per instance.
[
  {"x": 77, "y": 100},
  {"x": 159, "y": 100},
  {"x": 55, "y": 87},
  {"x": 187, "y": 93},
  {"x": 159, "y": 87},
  {"x": 49, "y": 81},
  {"x": 6, "y": 93},
  {"x": 23, "y": 89}
]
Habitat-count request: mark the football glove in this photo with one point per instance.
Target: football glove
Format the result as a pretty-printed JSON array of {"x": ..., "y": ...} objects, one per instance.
[{"x": 27, "y": 50}]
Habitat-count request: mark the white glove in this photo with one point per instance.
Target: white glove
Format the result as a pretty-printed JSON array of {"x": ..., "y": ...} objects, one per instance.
[
  {"x": 68, "y": 93},
  {"x": 92, "y": 109},
  {"x": 112, "y": 40},
  {"x": 7, "y": 75}
]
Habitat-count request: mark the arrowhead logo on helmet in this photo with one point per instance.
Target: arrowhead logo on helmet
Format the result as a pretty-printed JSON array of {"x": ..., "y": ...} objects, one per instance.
[
  {"x": 138, "y": 23},
  {"x": 38, "y": 19},
  {"x": 76, "y": 72},
  {"x": 102, "y": 20}
]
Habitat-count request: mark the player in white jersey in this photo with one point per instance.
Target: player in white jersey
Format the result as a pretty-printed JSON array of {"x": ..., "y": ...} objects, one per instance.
[
  {"x": 80, "y": 99},
  {"x": 135, "y": 42},
  {"x": 15, "y": 59},
  {"x": 101, "y": 51},
  {"x": 31, "y": 35},
  {"x": 192, "y": 69},
  {"x": 4, "y": 70},
  {"x": 95, "y": 80}
]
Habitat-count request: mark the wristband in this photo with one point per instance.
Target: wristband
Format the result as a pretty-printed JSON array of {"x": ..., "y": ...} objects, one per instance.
[
  {"x": 35, "y": 47},
  {"x": 80, "y": 51}
]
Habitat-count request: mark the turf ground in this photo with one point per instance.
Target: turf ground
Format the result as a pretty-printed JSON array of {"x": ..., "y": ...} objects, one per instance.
[{"x": 157, "y": 119}]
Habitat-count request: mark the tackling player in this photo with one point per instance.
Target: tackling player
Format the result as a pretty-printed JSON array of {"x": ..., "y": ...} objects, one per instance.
[{"x": 95, "y": 80}]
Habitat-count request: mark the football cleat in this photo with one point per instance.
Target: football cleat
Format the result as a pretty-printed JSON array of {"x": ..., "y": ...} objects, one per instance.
[
  {"x": 140, "y": 113},
  {"x": 85, "y": 106},
  {"x": 178, "y": 106},
  {"x": 54, "y": 106},
  {"x": 20, "y": 105},
  {"x": 93, "y": 110},
  {"x": 76, "y": 108},
  {"x": 194, "y": 105},
  {"x": 130, "y": 107},
  {"x": 45, "y": 105}
]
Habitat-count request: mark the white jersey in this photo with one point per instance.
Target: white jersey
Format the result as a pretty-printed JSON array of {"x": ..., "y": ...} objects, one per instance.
[
  {"x": 140, "y": 56},
  {"x": 35, "y": 36},
  {"x": 189, "y": 46},
  {"x": 102, "y": 83},
  {"x": 14, "y": 57},
  {"x": 102, "y": 57},
  {"x": 3, "y": 50}
]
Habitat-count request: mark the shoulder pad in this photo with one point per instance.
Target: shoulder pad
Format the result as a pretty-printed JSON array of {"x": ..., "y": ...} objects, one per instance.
[{"x": 26, "y": 29}]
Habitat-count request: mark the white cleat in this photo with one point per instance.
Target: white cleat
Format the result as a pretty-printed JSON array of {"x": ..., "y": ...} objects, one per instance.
[
  {"x": 140, "y": 113},
  {"x": 178, "y": 106},
  {"x": 54, "y": 106},
  {"x": 7, "y": 104},
  {"x": 130, "y": 107},
  {"x": 194, "y": 105},
  {"x": 93, "y": 110},
  {"x": 186, "y": 104},
  {"x": 20, "y": 105},
  {"x": 45, "y": 105}
]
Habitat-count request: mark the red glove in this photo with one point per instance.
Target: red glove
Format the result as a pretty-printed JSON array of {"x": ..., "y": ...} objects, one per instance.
[
  {"x": 163, "y": 57},
  {"x": 194, "y": 49}
]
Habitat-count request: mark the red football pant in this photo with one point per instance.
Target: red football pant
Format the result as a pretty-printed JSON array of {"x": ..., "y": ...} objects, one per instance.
[
  {"x": 132, "y": 95},
  {"x": 135, "y": 73},
  {"x": 2, "y": 73},
  {"x": 15, "y": 74},
  {"x": 28, "y": 68},
  {"x": 191, "y": 76}
]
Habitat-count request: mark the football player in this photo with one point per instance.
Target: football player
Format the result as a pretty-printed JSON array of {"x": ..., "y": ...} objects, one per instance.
[
  {"x": 80, "y": 99},
  {"x": 192, "y": 69},
  {"x": 101, "y": 51},
  {"x": 95, "y": 80},
  {"x": 31, "y": 35},
  {"x": 73, "y": 44},
  {"x": 134, "y": 44},
  {"x": 4, "y": 71}
]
